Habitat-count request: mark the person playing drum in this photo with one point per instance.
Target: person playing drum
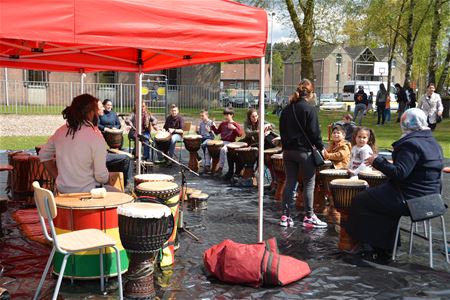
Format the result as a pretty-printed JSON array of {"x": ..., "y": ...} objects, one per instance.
[
  {"x": 252, "y": 132},
  {"x": 363, "y": 145},
  {"x": 79, "y": 148},
  {"x": 204, "y": 129},
  {"x": 174, "y": 123},
  {"x": 228, "y": 130},
  {"x": 116, "y": 162},
  {"x": 109, "y": 119},
  {"x": 339, "y": 150},
  {"x": 148, "y": 123}
]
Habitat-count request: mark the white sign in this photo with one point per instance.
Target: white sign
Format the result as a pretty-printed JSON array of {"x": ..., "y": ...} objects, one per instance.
[{"x": 380, "y": 68}]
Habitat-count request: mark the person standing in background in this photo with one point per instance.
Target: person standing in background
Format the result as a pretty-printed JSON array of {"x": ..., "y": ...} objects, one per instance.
[
  {"x": 381, "y": 104},
  {"x": 402, "y": 100},
  {"x": 360, "y": 105},
  {"x": 431, "y": 104}
]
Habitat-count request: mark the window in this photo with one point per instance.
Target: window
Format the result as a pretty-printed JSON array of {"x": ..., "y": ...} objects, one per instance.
[
  {"x": 36, "y": 78},
  {"x": 349, "y": 88},
  {"x": 107, "y": 77}
]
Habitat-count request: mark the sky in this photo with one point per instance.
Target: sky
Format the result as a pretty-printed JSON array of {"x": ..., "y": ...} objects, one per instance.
[{"x": 281, "y": 33}]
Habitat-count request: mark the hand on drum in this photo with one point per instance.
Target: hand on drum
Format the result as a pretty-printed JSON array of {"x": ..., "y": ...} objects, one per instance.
[
  {"x": 351, "y": 172},
  {"x": 370, "y": 159}
]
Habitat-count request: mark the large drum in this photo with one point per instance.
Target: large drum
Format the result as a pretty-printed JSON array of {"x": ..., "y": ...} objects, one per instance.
[
  {"x": 138, "y": 179},
  {"x": 113, "y": 137},
  {"x": 247, "y": 156},
  {"x": 192, "y": 143},
  {"x": 162, "y": 190},
  {"x": 214, "y": 147},
  {"x": 268, "y": 162},
  {"x": 76, "y": 214},
  {"x": 232, "y": 157},
  {"x": 278, "y": 169},
  {"x": 326, "y": 176},
  {"x": 143, "y": 228},
  {"x": 373, "y": 178},
  {"x": 343, "y": 191},
  {"x": 162, "y": 140}
]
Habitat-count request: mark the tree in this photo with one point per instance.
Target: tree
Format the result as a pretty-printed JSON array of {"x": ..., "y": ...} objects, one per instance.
[
  {"x": 432, "y": 62},
  {"x": 305, "y": 32},
  {"x": 444, "y": 75}
]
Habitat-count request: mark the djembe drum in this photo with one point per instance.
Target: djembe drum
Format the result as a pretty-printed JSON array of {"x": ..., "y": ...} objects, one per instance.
[
  {"x": 19, "y": 182},
  {"x": 198, "y": 201},
  {"x": 278, "y": 169},
  {"x": 268, "y": 162},
  {"x": 373, "y": 177},
  {"x": 143, "y": 228},
  {"x": 40, "y": 174},
  {"x": 162, "y": 140},
  {"x": 214, "y": 147},
  {"x": 138, "y": 179},
  {"x": 113, "y": 137},
  {"x": 247, "y": 156},
  {"x": 167, "y": 193},
  {"x": 232, "y": 158},
  {"x": 192, "y": 143},
  {"x": 189, "y": 191},
  {"x": 343, "y": 191},
  {"x": 326, "y": 176}
]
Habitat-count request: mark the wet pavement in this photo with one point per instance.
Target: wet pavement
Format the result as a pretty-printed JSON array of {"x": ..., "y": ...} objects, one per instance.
[{"x": 232, "y": 214}]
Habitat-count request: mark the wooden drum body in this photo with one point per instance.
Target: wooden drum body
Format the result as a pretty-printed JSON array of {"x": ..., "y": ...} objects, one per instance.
[
  {"x": 268, "y": 162},
  {"x": 192, "y": 144},
  {"x": 113, "y": 137},
  {"x": 326, "y": 176},
  {"x": 75, "y": 214},
  {"x": 232, "y": 155},
  {"x": 343, "y": 191},
  {"x": 162, "y": 140},
  {"x": 278, "y": 169},
  {"x": 373, "y": 178},
  {"x": 143, "y": 228},
  {"x": 247, "y": 157},
  {"x": 214, "y": 147}
]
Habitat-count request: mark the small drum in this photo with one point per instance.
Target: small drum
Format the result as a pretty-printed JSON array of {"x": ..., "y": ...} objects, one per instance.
[
  {"x": 214, "y": 147},
  {"x": 277, "y": 141},
  {"x": 325, "y": 166},
  {"x": 331, "y": 174},
  {"x": 138, "y": 179},
  {"x": 198, "y": 201},
  {"x": 232, "y": 156},
  {"x": 190, "y": 191},
  {"x": 343, "y": 191},
  {"x": 113, "y": 137},
  {"x": 278, "y": 169},
  {"x": 143, "y": 228},
  {"x": 161, "y": 190},
  {"x": 248, "y": 157},
  {"x": 162, "y": 140},
  {"x": 373, "y": 177},
  {"x": 178, "y": 131},
  {"x": 192, "y": 143}
]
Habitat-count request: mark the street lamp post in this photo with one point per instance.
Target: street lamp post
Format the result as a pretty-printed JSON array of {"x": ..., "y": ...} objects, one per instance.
[
  {"x": 271, "y": 50},
  {"x": 381, "y": 70},
  {"x": 338, "y": 75}
]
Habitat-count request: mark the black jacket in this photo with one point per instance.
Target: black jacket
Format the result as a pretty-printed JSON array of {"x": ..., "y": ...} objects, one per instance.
[
  {"x": 416, "y": 171},
  {"x": 292, "y": 137},
  {"x": 360, "y": 97},
  {"x": 401, "y": 96}
]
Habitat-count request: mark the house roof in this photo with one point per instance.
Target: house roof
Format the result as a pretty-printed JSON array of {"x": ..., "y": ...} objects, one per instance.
[
  {"x": 236, "y": 72},
  {"x": 318, "y": 53},
  {"x": 354, "y": 52}
]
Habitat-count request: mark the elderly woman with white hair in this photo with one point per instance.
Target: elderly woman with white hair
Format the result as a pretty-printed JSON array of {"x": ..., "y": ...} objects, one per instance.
[{"x": 414, "y": 172}]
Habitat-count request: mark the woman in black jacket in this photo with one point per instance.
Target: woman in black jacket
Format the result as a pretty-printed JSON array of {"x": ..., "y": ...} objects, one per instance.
[
  {"x": 415, "y": 172},
  {"x": 297, "y": 157}
]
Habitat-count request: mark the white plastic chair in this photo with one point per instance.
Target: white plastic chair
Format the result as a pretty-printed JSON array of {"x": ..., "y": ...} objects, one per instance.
[{"x": 71, "y": 242}]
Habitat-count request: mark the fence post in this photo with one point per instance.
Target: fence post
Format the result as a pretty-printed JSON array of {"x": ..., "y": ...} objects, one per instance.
[
  {"x": 121, "y": 96},
  {"x": 15, "y": 98}
]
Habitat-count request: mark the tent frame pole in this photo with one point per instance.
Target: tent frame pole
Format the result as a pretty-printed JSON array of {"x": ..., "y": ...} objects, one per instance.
[
  {"x": 138, "y": 117},
  {"x": 261, "y": 149}
]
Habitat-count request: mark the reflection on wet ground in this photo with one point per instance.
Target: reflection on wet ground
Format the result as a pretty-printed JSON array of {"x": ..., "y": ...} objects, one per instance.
[{"x": 232, "y": 214}]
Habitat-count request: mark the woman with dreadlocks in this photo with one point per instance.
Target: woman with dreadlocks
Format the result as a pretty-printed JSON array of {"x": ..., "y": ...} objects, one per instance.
[{"x": 79, "y": 148}]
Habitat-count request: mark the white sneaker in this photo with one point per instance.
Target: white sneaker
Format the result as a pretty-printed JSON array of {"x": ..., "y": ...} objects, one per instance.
[
  {"x": 313, "y": 222},
  {"x": 286, "y": 221}
]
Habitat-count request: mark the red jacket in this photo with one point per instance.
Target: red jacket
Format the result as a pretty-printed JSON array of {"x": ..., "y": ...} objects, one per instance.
[{"x": 226, "y": 134}]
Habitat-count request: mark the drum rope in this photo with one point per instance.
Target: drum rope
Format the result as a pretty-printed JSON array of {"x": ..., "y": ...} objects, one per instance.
[{"x": 143, "y": 272}]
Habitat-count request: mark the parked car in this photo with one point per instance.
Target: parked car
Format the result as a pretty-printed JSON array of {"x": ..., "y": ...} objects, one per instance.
[
  {"x": 329, "y": 102},
  {"x": 239, "y": 101},
  {"x": 324, "y": 98}
]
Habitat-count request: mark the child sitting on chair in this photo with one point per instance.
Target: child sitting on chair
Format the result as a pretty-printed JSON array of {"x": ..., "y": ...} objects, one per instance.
[
  {"x": 228, "y": 130},
  {"x": 363, "y": 146},
  {"x": 339, "y": 150},
  {"x": 204, "y": 129},
  {"x": 348, "y": 125}
]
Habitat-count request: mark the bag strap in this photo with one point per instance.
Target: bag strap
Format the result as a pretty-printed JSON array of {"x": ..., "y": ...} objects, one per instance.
[{"x": 299, "y": 125}]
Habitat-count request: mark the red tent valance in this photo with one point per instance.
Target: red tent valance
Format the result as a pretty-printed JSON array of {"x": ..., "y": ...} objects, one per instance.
[{"x": 88, "y": 36}]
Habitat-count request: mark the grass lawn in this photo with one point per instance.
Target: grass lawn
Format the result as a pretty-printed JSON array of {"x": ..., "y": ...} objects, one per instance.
[{"x": 385, "y": 135}]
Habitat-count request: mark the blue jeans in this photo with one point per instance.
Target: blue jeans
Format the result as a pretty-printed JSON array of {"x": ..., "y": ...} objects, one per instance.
[
  {"x": 175, "y": 138},
  {"x": 387, "y": 114},
  {"x": 298, "y": 163},
  {"x": 359, "y": 112},
  {"x": 119, "y": 163},
  {"x": 207, "y": 158}
]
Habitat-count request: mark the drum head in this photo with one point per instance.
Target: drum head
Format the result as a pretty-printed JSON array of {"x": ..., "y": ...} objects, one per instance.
[
  {"x": 144, "y": 210},
  {"x": 277, "y": 156},
  {"x": 199, "y": 196},
  {"x": 113, "y": 130},
  {"x": 157, "y": 186},
  {"x": 236, "y": 145},
  {"x": 190, "y": 191},
  {"x": 247, "y": 149},
  {"x": 349, "y": 182},
  {"x": 192, "y": 137},
  {"x": 153, "y": 177},
  {"x": 214, "y": 143},
  {"x": 332, "y": 172},
  {"x": 273, "y": 150},
  {"x": 373, "y": 173},
  {"x": 162, "y": 135}
]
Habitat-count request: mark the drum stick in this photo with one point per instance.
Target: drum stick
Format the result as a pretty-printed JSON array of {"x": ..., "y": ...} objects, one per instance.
[{"x": 75, "y": 195}]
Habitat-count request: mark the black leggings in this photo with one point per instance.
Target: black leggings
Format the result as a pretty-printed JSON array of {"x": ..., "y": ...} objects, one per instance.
[{"x": 380, "y": 112}]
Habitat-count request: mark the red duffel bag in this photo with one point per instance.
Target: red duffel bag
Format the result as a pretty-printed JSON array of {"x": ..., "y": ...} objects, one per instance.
[{"x": 254, "y": 265}]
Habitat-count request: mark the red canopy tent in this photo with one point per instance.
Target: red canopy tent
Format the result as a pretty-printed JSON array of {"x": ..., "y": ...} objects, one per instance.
[{"x": 131, "y": 36}]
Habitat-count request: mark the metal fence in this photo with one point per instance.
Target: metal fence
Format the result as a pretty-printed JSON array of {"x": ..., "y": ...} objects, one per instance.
[{"x": 22, "y": 97}]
